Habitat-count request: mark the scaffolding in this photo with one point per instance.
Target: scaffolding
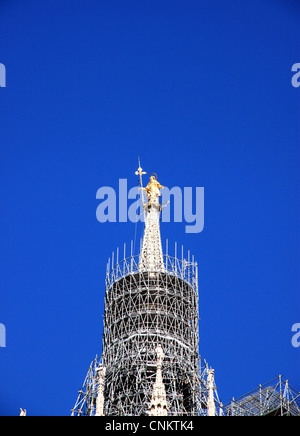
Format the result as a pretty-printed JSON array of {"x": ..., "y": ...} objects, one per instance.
[
  {"x": 209, "y": 403},
  {"x": 142, "y": 311},
  {"x": 276, "y": 398},
  {"x": 86, "y": 403}
]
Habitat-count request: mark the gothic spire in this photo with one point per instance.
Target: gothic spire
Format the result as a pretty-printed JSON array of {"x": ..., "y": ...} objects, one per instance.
[
  {"x": 158, "y": 405},
  {"x": 151, "y": 255}
]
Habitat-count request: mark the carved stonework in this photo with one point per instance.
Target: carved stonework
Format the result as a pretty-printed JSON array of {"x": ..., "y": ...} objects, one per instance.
[{"x": 158, "y": 405}]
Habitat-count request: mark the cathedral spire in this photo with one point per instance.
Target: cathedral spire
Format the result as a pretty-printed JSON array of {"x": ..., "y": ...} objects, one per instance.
[
  {"x": 151, "y": 255},
  {"x": 101, "y": 370},
  {"x": 211, "y": 406}
]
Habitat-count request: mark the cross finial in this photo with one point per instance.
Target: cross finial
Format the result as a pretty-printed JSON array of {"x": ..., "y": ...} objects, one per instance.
[{"x": 140, "y": 171}]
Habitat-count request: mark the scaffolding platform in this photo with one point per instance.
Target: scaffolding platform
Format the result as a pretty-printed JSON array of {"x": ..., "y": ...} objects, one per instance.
[{"x": 275, "y": 398}]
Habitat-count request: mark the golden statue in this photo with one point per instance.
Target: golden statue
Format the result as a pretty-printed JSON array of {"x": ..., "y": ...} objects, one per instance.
[{"x": 153, "y": 189}]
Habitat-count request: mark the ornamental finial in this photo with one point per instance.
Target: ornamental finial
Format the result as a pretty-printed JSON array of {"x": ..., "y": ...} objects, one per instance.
[{"x": 140, "y": 171}]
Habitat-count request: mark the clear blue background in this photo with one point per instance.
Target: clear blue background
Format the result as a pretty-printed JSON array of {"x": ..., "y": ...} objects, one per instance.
[{"x": 201, "y": 90}]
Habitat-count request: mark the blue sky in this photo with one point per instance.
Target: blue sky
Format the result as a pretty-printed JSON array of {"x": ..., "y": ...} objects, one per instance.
[{"x": 201, "y": 91}]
